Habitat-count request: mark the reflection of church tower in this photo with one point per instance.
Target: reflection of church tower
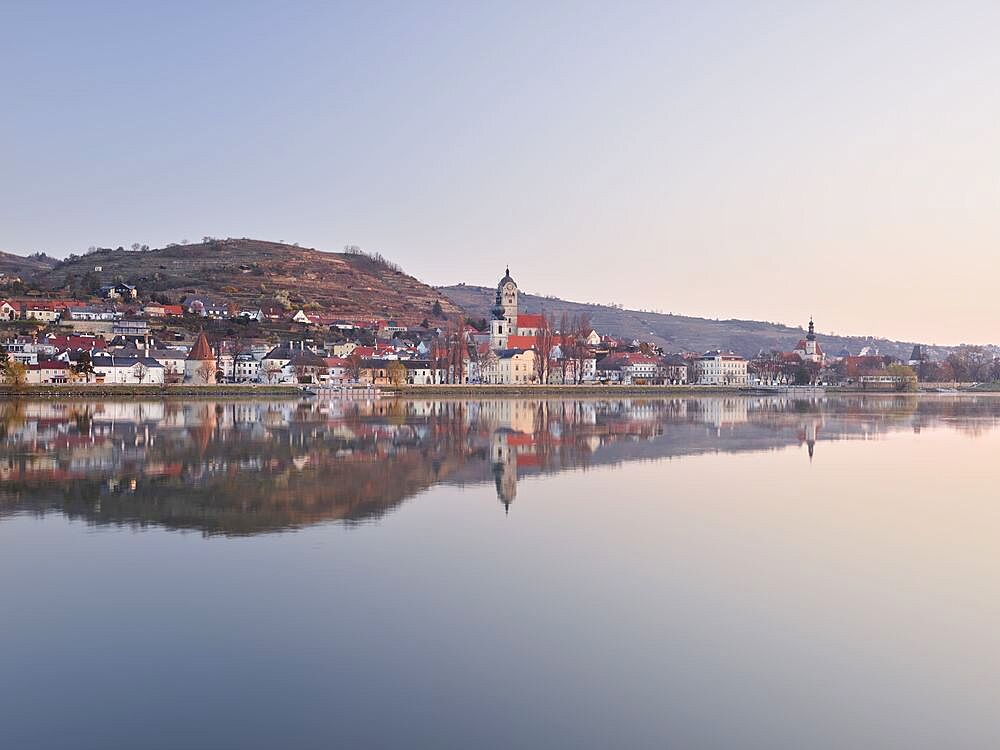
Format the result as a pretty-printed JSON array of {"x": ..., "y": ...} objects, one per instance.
[
  {"x": 809, "y": 434},
  {"x": 504, "y": 312},
  {"x": 504, "y": 467}
]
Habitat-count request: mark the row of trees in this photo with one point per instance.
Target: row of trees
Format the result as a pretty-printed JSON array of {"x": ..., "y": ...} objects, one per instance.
[{"x": 571, "y": 337}]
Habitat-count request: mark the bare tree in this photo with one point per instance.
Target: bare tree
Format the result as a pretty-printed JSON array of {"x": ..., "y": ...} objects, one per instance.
[
  {"x": 544, "y": 341},
  {"x": 581, "y": 328},
  {"x": 457, "y": 349},
  {"x": 353, "y": 367},
  {"x": 205, "y": 372},
  {"x": 566, "y": 336}
]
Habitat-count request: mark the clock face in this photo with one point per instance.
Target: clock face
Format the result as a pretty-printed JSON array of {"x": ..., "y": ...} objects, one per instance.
[{"x": 509, "y": 287}]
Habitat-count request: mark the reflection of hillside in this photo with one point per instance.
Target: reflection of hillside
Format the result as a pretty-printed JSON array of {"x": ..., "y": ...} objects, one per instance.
[{"x": 244, "y": 468}]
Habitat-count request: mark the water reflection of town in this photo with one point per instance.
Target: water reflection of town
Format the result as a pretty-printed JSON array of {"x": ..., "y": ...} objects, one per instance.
[{"x": 247, "y": 467}]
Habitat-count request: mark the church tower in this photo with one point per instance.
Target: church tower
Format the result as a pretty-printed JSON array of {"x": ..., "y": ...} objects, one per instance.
[
  {"x": 504, "y": 312},
  {"x": 811, "y": 340}
]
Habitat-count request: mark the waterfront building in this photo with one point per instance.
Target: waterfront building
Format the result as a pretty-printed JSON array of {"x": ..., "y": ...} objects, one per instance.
[
  {"x": 720, "y": 368},
  {"x": 199, "y": 368}
]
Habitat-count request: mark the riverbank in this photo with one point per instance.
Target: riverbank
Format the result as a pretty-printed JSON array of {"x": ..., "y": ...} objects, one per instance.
[
  {"x": 150, "y": 391},
  {"x": 429, "y": 391}
]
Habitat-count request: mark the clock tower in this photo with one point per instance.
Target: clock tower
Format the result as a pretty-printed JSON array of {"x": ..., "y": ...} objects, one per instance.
[{"x": 504, "y": 312}]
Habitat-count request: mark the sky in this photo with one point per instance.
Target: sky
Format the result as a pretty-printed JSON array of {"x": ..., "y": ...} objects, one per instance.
[{"x": 759, "y": 160}]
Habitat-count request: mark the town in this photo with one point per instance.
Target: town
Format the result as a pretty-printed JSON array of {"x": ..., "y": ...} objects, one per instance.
[{"x": 118, "y": 336}]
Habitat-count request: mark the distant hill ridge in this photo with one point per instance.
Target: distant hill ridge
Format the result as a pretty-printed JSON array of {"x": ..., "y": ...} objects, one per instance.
[
  {"x": 356, "y": 285},
  {"x": 679, "y": 332},
  {"x": 24, "y": 266}
]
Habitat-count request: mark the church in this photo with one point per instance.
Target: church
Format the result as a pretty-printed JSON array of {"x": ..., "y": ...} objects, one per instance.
[
  {"x": 808, "y": 349},
  {"x": 510, "y": 329}
]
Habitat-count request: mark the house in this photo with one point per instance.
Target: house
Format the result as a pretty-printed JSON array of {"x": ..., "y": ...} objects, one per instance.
[
  {"x": 162, "y": 311},
  {"x": 9, "y": 311},
  {"x": 673, "y": 370},
  {"x": 422, "y": 372},
  {"x": 277, "y": 367},
  {"x": 44, "y": 311},
  {"x": 173, "y": 361},
  {"x": 376, "y": 371},
  {"x": 129, "y": 370},
  {"x": 628, "y": 368},
  {"x": 273, "y": 312},
  {"x": 387, "y": 329},
  {"x": 92, "y": 312},
  {"x": 720, "y": 368},
  {"x": 206, "y": 308},
  {"x": 343, "y": 349},
  {"x": 641, "y": 369},
  {"x": 135, "y": 328},
  {"x": 610, "y": 370},
  {"x": 47, "y": 372},
  {"x": 246, "y": 368},
  {"x": 337, "y": 370},
  {"x": 23, "y": 349},
  {"x": 255, "y": 314},
  {"x": 119, "y": 291},
  {"x": 307, "y": 366},
  {"x": 75, "y": 342},
  {"x": 508, "y": 367}
]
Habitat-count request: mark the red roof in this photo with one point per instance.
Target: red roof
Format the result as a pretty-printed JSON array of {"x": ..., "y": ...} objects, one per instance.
[
  {"x": 526, "y": 320},
  {"x": 76, "y": 342},
  {"x": 201, "y": 350},
  {"x": 802, "y": 346},
  {"x": 50, "y": 364},
  {"x": 521, "y": 342}
]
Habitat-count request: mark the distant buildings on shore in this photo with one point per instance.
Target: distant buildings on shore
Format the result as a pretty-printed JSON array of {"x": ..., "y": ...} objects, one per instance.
[{"x": 125, "y": 340}]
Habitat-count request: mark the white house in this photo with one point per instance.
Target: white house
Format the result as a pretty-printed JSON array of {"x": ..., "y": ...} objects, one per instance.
[
  {"x": 127, "y": 370},
  {"x": 508, "y": 367},
  {"x": 421, "y": 372},
  {"x": 45, "y": 312},
  {"x": 246, "y": 368},
  {"x": 720, "y": 368},
  {"x": 9, "y": 311}
]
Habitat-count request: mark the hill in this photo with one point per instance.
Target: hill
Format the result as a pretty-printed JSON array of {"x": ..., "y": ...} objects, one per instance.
[
  {"x": 254, "y": 272},
  {"x": 677, "y": 332},
  {"x": 25, "y": 266}
]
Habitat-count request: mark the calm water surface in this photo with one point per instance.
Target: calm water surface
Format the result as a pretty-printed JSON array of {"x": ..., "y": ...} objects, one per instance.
[{"x": 691, "y": 573}]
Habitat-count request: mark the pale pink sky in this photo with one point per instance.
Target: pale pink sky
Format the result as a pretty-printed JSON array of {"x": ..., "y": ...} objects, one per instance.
[{"x": 717, "y": 159}]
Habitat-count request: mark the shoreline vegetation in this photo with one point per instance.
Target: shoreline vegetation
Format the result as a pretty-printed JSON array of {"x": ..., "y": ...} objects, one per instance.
[{"x": 300, "y": 391}]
